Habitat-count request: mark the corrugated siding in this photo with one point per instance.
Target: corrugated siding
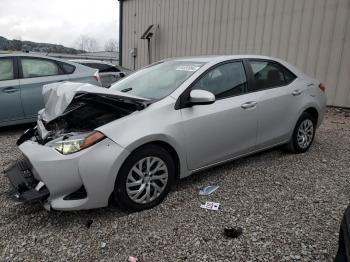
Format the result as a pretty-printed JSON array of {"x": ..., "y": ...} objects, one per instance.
[{"x": 314, "y": 35}]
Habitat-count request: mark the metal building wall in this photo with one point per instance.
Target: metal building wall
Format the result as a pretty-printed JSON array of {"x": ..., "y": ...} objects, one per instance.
[{"x": 314, "y": 35}]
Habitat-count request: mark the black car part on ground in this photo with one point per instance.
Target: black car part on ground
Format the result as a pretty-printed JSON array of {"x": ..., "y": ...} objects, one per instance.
[
  {"x": 343, "y": 254},
  {"x": 24, "y": 187},
  {"x": 233, "y": 232},
  {"x": 26, "y": 135}
]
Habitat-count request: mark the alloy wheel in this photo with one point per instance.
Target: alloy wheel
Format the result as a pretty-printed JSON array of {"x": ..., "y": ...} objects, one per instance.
[
  {"x": 305, "y": 133},
  {"x": 146, "y": 180}
]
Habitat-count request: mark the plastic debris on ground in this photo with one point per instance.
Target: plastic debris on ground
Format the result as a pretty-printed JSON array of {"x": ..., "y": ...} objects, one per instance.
[
  {"x": 233, "y": 232},
  {"x": 211, "y": 205},
  {"x": 132, "y": 259},
  {"x": 103, "y": 244},
  {"x": 205, "y": 191}
]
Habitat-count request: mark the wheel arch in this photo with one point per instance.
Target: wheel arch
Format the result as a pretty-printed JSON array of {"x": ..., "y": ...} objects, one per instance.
[
  {"x": 164, "y": 144},
  {"x": 169, "y": 145},
  {"x": 313, "y": 112},
  {"x": 170, "y": 149}
]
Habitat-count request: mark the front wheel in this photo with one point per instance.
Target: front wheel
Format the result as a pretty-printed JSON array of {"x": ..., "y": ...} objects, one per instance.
[
  {"x": 145, "y": 178},
  {"x": 303, "y": 134}
]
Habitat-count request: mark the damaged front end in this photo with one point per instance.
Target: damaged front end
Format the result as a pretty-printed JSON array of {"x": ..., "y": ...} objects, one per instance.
[
  {"x": 66, "y": 125},
  {"x": 82, "y": 113},
  {"x": 24, "y": 186}
]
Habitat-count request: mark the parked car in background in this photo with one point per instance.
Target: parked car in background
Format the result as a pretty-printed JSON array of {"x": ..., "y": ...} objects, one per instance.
[
  {"x": 176, "y": 117},
  {"x": 109, "y": 73},
  {"x": 22, "y": 77},
  {"x": 343, "y": 254}
]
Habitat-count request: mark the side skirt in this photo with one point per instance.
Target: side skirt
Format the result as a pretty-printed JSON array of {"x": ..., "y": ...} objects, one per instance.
[{"x": 236, "y": 157}]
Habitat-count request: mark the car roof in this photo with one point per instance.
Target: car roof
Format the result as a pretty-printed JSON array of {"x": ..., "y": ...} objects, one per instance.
[
  {"x": 90, "y": 61},
  {"x": 26, "y": 54},
  {"x": 214, "y": 58},
  {"x": 19, "y": 54}
]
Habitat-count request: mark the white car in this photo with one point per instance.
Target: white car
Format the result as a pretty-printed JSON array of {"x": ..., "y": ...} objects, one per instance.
[{"x": 131, "y": 142}]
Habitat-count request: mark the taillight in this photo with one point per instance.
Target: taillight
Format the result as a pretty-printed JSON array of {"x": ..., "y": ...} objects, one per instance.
[
  {"x": 97, "y": 77},
  {"x": 322, "y": 87}
]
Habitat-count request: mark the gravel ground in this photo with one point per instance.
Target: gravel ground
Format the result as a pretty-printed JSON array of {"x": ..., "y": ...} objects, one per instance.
[{"x": 289, "y": 206}]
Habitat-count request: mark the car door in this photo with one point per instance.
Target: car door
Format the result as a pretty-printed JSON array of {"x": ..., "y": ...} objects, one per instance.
[
  {"x": 276, "y": 97},
  {"x": 226, "y": 128},
  {"x": 35, "y": 73},
  {"x": 10, "y": 95}
]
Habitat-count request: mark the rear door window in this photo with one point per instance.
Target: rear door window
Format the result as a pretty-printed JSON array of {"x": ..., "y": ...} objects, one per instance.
[
  {"x": 269, "y": 74},
  {"x": 33, "y": 67},
  {"x": 7, "y": 71}
]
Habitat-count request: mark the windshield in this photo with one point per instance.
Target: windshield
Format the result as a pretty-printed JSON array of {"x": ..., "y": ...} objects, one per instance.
[{"x": 157, "y": 81}]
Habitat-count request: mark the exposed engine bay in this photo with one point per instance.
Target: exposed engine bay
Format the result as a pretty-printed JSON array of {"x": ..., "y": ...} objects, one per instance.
[{"x": 85, "y": 113}]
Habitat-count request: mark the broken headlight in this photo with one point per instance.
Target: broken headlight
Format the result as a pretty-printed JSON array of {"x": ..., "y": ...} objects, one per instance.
[{"x": 76, "y": 143}]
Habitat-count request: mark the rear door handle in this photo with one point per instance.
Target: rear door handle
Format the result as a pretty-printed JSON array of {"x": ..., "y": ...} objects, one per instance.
[
  {"x": 297, "y": 92},
  {"x": 250, "y": 104},
  {"x": 9, "y": 90}
]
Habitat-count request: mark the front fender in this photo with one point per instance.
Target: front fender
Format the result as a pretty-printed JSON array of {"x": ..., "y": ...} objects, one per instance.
[
  {"x": 180, "y": 151},
  {"x": 158, "y": 122}
]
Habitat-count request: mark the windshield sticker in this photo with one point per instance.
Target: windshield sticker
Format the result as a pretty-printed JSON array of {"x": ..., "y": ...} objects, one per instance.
[{"x": 189, "y": 68}]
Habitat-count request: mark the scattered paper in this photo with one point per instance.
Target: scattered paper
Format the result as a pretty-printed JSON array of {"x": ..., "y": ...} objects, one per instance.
[
  {"x": 103, "y": 244},
  {"x": 208, "y": 190},
  {"x": 211, "y": 205},
  {"x": 132, "y": 259}
]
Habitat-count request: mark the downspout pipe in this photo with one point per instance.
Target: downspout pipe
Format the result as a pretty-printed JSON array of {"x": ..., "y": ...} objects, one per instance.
[{"x": 120, "y": 32}]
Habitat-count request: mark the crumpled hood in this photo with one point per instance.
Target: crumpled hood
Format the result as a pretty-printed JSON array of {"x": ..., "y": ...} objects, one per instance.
[{"x": 58, "y": 96}]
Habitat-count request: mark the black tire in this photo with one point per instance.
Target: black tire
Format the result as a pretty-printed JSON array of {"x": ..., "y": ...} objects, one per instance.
[
  {"x": 293, "y": 145},
  {"x": 120, "y": 194}
]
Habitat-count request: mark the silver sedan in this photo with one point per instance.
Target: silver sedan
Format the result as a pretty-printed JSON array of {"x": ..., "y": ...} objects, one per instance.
[{"x": 131, "y": 142}]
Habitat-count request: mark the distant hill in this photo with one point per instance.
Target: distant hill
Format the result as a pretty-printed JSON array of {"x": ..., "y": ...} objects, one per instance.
[{"x": 18, "y": 45}]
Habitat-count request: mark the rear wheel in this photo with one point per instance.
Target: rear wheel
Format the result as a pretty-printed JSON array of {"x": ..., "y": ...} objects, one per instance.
[
  {"x": 303, "y": 134},
  {"x": 145, "y": 178}
]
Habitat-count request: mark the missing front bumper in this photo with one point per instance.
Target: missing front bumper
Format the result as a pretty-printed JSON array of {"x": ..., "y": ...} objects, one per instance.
[{"x": 24, "y": 187}]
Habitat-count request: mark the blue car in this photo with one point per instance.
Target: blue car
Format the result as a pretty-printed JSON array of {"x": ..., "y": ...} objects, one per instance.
[{"x": 22, "y": 77}]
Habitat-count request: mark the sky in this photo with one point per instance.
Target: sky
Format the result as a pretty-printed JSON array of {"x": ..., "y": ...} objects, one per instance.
[{"x": 59, "y": 21}]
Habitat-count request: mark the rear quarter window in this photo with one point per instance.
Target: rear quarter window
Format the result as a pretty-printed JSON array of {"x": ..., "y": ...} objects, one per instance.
[
  {"x": 67, "y": 68},
  {"x": 289, "y": 77}
]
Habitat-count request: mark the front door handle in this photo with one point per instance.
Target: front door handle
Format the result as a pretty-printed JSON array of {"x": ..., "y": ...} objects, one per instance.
[
  {"x": 297, "y": 92},
  {"x": 250, "y": 104},
  {"x": 9, "y": 90}
]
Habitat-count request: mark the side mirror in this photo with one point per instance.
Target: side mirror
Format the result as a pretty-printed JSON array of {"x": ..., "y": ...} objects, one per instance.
[
  {"x": 201, "y": 97},
  {"x": 122, "y": 74}
]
